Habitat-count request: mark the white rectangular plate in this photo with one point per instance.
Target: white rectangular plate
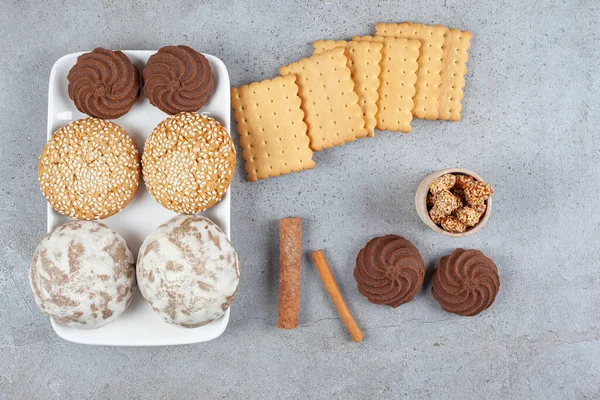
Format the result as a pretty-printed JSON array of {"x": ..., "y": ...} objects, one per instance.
[{"x": 139, "y": 325}]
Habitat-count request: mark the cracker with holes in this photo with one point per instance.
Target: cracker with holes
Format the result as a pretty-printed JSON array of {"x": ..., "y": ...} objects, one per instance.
[
  {"x": 330, "y": 104},
  {"x": 363, "y": 62},
  {"x": 456, "y": 47},
  {"x": 397, "y": 81},
  {"x": 271, "y": 127},
  {"x": 428, "y": 87}
]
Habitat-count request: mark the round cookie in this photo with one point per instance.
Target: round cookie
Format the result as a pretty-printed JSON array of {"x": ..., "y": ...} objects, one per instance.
[
  {"x": 89, "y": 169},
  {"x": 104, "y": 84},
  {"x": 82, "y": 275},
  {"x": 177, "y": 79},
  {"x": 188, "y": 271},
  {"x": 188, "y": 163},
  {"x": 389, "y": 270},
  {"x": 466, "y": 282}
]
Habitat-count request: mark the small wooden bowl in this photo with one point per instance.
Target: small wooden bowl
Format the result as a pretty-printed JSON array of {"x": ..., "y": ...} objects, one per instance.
[{"x": 421, "y": 203}]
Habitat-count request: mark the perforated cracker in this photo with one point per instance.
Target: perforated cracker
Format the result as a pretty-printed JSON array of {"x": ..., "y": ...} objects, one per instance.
[
  {"x": 330, "y": 105},
  {"x": 271, "y": 126},
  {"x": 456, "y": 47},
  {"x": 363, "y": 62},
  {"x": 429, "y": 79},
  {"x": 397, "y": 81}
]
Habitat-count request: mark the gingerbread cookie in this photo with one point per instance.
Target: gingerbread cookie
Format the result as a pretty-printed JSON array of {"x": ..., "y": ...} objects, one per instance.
[
  {"x": 82, "y": 275},
  {"x": 188, "y": 271}
]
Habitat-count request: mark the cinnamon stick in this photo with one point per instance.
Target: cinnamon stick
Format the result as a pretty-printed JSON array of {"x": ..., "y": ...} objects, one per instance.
[
  {"x": 290, "y": 251},
  {"x": 336, "y": 296}
]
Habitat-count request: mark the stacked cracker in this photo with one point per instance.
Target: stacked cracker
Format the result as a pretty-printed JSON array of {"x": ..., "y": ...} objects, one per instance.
[{"x": 346, "y": 90}]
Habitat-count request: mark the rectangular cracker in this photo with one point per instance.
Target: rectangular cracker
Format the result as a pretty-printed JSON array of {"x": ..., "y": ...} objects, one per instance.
[
  {"x": 363, "y": 62},
  {"x": 331, "y": 109},
  {"x": 397, "y": 81},
  {"x": 456, "y": 47},
  {"x": 428, "y": 90},
  {"x": 271, "y": 127}
]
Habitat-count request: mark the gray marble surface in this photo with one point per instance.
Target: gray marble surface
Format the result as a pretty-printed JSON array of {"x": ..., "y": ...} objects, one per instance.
[{"x": 530, "y": 127}]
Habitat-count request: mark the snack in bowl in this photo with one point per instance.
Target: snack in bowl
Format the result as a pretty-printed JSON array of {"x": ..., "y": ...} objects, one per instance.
[
  {"x": 82, "y": 275},
  {"x": 466, "y": 282},
  {"x": 389, "y": 270},
  {"x": 177, "y": 79},
  {"x": 104, "y": 84},
  {"x": 89, "y": 169},
  {"x": 188, "y": 271},
  {"x": 188, "y": 162},
  {"x": 457, "y": 201}
]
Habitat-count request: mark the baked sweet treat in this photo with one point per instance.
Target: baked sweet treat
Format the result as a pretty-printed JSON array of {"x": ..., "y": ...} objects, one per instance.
[
  {"x": 89, "y": 169},
  {"x": 456, "y": 202},
  {"x": 271, "y": 128},
  {"x": 177, "y": 79},
  {"x": 188, "y": 162},
  {"x": 82, "y": 275},
  {"x": 104, "y": 84},
  {"x": 389, "y": 270},
  {"x": 188, "y": 271},
  {"x": 466, "y": 282}
]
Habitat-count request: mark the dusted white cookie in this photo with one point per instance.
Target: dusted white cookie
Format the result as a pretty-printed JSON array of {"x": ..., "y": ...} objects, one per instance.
[
  {"x": 82, "y": 275},
  {"x": 188, "y": 271}
]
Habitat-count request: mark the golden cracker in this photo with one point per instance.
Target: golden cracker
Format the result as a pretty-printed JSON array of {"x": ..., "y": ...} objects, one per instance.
[
  {"x": 456, "y": 47},
  {"x": 397, "y": 82},
  {"x": 324, "y": 45},
  {"x": 330, "y": 105},
  {"x": 429, "y": 78},
  {"x": 271, "y": 127},
  {"x": 363, "y": 62}
]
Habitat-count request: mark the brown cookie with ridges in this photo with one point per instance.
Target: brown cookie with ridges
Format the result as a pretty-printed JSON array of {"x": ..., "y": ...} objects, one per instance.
[
  {"x": 104, "y": 84},
  {"x": 466, "y": 282},
  {"x": 177, "y": 79},
  {"x": 389, "y": 270}
]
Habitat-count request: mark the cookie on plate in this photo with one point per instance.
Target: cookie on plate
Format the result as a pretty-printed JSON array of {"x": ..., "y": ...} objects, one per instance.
[
  {"x": 188, "y": 271},
  {"x": 177, "y": 79},
  {"x": 104, "y": 84},
  {"x": 82, "y": 275},
  {"x": 89, "y": 169},
  {"x": 188, "y": 162}
]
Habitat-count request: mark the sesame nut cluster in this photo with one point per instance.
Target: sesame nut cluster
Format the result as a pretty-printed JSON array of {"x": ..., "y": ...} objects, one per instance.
[
  {"x": 89, "y": 169},
  {"x": 457, "y": 202},
  {"x": 188, "y": 162}
]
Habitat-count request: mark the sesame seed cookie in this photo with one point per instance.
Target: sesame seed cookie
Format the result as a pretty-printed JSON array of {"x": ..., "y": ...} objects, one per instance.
[
  {"x": 89, "y": 169},
  {"x": 188, "y": 162}
]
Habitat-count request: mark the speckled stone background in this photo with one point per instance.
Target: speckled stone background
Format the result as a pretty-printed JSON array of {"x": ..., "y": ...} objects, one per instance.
[{"x": 530, "y": 127}]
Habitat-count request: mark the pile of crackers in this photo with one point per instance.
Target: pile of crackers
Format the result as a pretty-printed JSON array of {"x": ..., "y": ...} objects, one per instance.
[{"x": 346, "y": 90}]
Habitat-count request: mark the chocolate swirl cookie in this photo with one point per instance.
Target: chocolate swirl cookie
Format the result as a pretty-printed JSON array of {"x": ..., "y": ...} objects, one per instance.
[
  {"x": 104, "y": 84},
  {"x": 389, "y": 270},
  {"x": 466, "y": 282},
  {"x": 178, "y": 78}
]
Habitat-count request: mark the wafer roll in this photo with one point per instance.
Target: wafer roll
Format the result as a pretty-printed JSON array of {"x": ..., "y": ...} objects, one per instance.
[{"x": 290, "y": 250}]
